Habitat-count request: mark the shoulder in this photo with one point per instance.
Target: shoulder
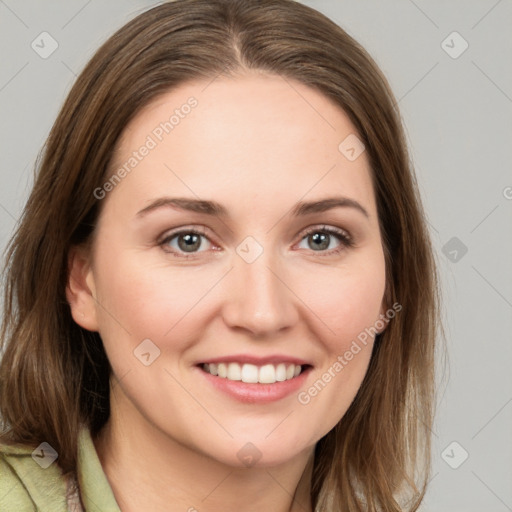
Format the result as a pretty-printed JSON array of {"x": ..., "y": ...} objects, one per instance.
[{"x": 30, "y": 480}]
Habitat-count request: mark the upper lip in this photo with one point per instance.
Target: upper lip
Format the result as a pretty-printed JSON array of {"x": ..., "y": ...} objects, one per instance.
[{"x": 256, "y": 360}]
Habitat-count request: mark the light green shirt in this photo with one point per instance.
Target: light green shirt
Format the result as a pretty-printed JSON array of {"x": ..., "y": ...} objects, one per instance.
[{"x": 25, "y": 485}]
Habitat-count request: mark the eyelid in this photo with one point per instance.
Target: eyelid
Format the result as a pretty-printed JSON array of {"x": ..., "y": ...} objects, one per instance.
[
  {"x": 329, "y": 229},
  {"x": 198, "y": 229}
]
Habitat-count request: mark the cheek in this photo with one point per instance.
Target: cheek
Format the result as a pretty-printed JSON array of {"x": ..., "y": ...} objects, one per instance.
[
  {"x": 348, "y": 309},
  {"x": 153, "y": 299},
  {"x": 347, "y": 300},
  {"x": 142, "y": 299}
]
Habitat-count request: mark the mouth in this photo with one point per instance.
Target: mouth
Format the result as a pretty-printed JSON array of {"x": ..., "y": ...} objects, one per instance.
[
  {"x": 254, "y": 374},
  {"x": 255, "y": 380}
]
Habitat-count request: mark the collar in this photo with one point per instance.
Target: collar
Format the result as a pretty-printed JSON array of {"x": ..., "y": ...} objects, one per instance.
[
  {"x": 46, "y": 488},
  {"x": 95, "y": 490}
]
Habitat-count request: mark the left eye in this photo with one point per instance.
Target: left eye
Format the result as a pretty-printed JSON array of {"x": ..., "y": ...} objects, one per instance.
[{"x": 322, "y": 237}]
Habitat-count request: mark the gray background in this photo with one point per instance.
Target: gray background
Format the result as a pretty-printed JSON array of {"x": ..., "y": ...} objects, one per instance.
[{"x": 457, "y": 112}]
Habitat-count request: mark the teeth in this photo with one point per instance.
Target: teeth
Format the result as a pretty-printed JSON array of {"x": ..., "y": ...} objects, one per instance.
[
  {"x": 281, "y": 372},
  {"x": 234, "y": 372},
  {"x": 222, "y": 370},
  {"x": 267, "y": 374},
  {"x": 250, "y": 373}
]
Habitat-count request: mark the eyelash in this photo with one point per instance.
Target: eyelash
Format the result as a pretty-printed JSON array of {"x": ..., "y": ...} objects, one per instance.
[{"x": 345, "y": 239}]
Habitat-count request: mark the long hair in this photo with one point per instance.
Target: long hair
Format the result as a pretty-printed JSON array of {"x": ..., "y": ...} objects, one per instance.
[{"x": 54, "y": 375}]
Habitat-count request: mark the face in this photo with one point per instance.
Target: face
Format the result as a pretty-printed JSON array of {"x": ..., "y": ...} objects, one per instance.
[{"x": 250, "y": 275}]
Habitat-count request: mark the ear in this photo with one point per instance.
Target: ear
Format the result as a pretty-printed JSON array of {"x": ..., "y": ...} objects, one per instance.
[{"x": 80, "y": 289}]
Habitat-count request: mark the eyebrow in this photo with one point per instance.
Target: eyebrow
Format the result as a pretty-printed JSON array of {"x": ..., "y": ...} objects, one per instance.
[{"x": 216, "y": 209}]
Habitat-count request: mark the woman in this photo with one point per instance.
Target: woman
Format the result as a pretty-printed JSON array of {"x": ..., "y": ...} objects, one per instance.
[{"x": 222, "y": 293}]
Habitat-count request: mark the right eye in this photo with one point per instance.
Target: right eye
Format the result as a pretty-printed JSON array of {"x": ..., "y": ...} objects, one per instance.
[{"x": 187, "y": 242}]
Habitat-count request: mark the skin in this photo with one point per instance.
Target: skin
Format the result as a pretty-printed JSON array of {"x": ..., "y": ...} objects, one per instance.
[{"x": 257, "y": 144}]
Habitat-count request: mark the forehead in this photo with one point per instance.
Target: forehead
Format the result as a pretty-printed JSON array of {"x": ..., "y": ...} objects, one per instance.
[{"x": 257, "y": 133}]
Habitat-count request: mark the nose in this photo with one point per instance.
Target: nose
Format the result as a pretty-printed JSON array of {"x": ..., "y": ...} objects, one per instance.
[{"x": 259, "y": 298}]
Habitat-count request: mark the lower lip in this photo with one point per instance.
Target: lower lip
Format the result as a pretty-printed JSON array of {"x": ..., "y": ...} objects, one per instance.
[{"x": 256, "y": 393}]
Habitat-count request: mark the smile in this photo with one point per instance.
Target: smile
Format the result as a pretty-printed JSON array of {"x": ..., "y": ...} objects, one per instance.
[{"x": 252, "y": 374}]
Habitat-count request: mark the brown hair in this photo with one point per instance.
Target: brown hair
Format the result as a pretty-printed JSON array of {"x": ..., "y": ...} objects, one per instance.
[{"x": 54, "y": 375}]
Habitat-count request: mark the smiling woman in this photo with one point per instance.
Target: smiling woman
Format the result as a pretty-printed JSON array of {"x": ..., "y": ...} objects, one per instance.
[{"x": 243, "y": 319}]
